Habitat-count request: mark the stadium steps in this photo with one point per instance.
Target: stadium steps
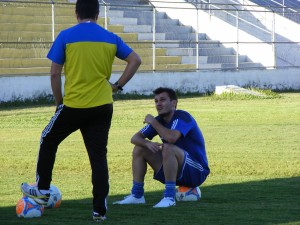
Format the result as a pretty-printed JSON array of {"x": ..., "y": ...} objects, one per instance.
[
  {"x": 34, "y": 26},
  {"x": 14, "y": 63},
  {"x": 174, "y": 31},
  {"x": 32, "y": 23}
]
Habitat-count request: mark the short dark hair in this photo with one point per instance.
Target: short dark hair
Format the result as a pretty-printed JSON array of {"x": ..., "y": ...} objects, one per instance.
[
  {"x": 171, "y": 92},
  {"x": 87, "y": 9}
]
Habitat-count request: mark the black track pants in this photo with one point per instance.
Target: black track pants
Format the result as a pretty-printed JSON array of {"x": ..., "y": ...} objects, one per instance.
[{"x": 94, "y": 124}]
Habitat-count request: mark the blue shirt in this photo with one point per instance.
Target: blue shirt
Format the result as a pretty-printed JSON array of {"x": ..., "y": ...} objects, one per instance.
[{"x": 191, "y": 139}]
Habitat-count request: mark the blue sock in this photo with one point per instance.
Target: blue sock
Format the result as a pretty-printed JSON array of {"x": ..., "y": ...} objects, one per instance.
[
  {"x": 170, "y": 189},
  {"x": 137, "y": 189}
]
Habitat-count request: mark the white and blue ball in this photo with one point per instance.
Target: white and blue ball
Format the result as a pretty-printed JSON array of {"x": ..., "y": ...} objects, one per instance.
[
  {"x": 188, "y": 194},
  {"x": 55, "y": 197},
  {"x": 27, "y": 208}
]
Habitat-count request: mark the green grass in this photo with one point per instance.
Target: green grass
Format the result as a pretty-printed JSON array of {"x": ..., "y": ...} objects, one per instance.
[{"x": 253, "y": 147}]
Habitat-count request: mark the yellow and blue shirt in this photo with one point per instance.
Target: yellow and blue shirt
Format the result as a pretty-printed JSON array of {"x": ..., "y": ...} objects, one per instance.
[{"x": 87, "y": 52}]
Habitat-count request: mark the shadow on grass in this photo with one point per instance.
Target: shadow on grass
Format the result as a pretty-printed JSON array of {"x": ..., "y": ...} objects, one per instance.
[{"x": 275, "y": 201}]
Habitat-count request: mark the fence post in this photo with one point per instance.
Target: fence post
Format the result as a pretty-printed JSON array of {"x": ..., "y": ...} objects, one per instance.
[
  {"x": 209, "y": 8},
  {"x": 197, "y": 40},
  {"x": 273, "y": 41},
  {"x": 53, "y": 21},
  {"x": 105, "y": 15},
  {"x": 237, "y": 40},
  {"x": 153, "y": 39}
]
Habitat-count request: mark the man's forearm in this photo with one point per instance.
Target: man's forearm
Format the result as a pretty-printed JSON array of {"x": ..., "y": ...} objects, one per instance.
[
  {"x": 56, "y": 89},
  {"x": 133, "y": 63},
  {"x": 170, "y": 136},
  {"x": 139, "y": 140},
  {"x": 56, "y": 82}
]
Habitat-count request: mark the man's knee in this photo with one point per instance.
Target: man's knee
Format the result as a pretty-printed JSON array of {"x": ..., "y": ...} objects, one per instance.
[
  {"x": 168, "y": 150},
  {"x": 137, "y": 151}
]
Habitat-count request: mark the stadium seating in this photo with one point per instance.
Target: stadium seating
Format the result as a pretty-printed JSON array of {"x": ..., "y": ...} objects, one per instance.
[{"x": 26, "y": 36}]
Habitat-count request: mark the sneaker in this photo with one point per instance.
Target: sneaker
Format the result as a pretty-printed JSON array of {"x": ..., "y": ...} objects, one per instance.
[
  {"x": 98, "y": 218},
  {"x": 33, "y": 192},
  {"x": 165, "y": 202},
  {"x": 130, "y": 200}
]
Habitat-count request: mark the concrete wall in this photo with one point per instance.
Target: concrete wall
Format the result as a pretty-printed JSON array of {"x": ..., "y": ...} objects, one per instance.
[{"x": 22, "y": 87}]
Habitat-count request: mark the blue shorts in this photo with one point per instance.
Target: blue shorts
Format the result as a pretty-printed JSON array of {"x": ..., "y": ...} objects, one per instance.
[{"x": 192, "y": 173}]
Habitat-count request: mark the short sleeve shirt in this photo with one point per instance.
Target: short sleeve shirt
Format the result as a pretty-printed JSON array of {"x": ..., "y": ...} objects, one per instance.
[
  {"x": 191, "y": 139},
  {"x": 87, "y": 52}
]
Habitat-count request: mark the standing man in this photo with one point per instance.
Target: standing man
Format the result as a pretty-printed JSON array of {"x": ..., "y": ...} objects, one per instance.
[
  {"x": 180, "y": 160},
  {"x": 86, "y": 51}
]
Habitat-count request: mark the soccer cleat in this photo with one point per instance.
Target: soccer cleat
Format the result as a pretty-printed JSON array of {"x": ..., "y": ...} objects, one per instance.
[
  {"x": 33, "y": 192},
  {"x": 98, "y": 218},
  {"x": 130, "y": 200},
  {"x": 165, "y": 202}
]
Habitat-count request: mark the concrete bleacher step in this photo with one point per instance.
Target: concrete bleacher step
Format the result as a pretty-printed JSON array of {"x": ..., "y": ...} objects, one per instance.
[
  {"x": 111, "y": 13},
  {"x": 158, "y": 60},
  {"x": 242, "y": 65},
  {"x": 202, "y": 51},
  {"x": 48, "y": 28},
  {"x": 137, "y": 28},
  {"x": 145, "y": 12},
  {"x": 24, "y": 63},
  {"x": 223, "y": 58},
  {"x": 214, "y": 59},
  {"x": 160, "y": 67},
  {"x": 122, "y": 21},
  {"x": 33, "y": 51},
  {"x": 187, "y": 37},
  {"x": 32, "y": 71},
  {"x": 36, "y": 10},
  {"x": 149, "y": 36},
  {"x": 37, "y": 19},
  {"x": 27, "y": 36}
]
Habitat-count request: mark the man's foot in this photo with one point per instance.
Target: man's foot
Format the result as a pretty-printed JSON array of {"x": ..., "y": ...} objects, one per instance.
[
  {"x": 165, "y": 202},
  {"x": 130, "y": 199},
  {"x": 33, "y": 192},
  {"x": 98, "y": 218}
]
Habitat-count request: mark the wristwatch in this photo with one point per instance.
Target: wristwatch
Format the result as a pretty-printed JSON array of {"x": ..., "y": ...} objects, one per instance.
[{"x": 118, "y": 86}]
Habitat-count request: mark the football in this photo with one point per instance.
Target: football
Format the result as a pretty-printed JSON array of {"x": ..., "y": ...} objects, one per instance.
[
  {"x": 187, "y": 194},
  {"x": 55, "y": 197},
  {"x": 26, "y": 207}
]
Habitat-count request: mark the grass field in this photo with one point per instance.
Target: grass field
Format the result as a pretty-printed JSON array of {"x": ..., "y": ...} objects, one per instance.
[{"x": 253, "y": 147}]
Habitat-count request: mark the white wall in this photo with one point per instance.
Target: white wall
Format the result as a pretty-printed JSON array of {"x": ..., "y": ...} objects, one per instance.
[{"x": 30, "y": 87}]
